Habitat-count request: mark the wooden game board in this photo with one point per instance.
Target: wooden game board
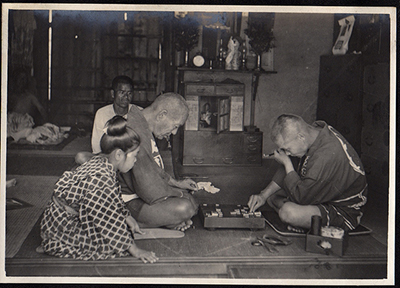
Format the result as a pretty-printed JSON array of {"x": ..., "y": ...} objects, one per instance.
[{"x": 230, "y": 216}]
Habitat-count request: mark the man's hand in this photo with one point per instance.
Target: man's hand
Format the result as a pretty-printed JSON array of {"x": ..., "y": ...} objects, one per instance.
[
  {"x": 188, "y": 184},
  {"x": 281, "y": 157},
  {"x": 255, "y": 202}
]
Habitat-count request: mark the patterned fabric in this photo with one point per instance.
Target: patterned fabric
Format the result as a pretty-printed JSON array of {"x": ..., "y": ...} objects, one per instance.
[{"x": 99, "y": 231}]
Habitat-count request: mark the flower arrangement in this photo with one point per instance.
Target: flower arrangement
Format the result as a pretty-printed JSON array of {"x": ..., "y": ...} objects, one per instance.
[
  {"x": 186, "y": 31},
  {"x": 260, "y": 33}
]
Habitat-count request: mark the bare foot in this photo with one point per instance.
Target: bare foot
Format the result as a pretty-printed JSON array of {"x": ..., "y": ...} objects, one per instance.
[
  {"x": 184, "y": 225},
  {"x": 40, "y": 249},
  {"x": 295, "y": 229},
  {"x": 11, "y": 183}
]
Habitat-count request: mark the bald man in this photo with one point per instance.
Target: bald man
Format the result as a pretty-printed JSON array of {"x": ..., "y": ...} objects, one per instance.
[
  {"x": 330, "y": 180},
  {"x": 154, "y": 198}
]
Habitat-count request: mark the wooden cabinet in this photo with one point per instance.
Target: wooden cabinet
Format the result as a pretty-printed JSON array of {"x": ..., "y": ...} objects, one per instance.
[
  {"x": 214, "y": 107},
  {"x": 375, "y": 130},
  {"x": 213, "y": 133},
  {"x": 354, "y": 99},
  {"x": 340, "y": 95},
  {"x": 217, "y": 132}
]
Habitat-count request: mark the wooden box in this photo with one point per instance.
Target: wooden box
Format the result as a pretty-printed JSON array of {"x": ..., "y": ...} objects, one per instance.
[
  {"x": 230, "y": 216},
  {"x": 313, "y": 244}
]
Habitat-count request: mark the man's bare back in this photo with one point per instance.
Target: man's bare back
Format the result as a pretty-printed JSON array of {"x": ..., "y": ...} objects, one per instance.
[{"x": 27, "y": 103}]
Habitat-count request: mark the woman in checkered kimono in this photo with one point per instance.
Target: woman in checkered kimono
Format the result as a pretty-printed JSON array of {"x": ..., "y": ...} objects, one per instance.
[{"x": 87, "y": 218}]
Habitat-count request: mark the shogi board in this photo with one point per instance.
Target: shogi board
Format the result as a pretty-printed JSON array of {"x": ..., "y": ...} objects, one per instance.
[{"x": 230, "y": 216}]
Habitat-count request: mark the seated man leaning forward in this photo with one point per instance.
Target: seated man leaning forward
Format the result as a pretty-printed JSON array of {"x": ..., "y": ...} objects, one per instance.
[
  {"x": 330, "y": 180},
  {"x": 154, "y": 198}
]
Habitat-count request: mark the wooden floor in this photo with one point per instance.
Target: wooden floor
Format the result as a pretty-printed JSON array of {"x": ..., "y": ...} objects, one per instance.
[{"x": 223, "y": 253}]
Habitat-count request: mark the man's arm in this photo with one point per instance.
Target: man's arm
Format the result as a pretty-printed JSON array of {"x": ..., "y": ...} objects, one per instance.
[
  {"x": 183, "y": 184},
  {"x": 317, "y": 185},
  {"x": 39, "y": 107},
  {"x": 269, "y": 190},
  {"x": 258, "y": 200}
]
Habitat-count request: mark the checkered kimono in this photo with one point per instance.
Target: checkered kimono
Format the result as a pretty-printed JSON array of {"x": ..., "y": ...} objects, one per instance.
[{"x": 99, "y": 230}]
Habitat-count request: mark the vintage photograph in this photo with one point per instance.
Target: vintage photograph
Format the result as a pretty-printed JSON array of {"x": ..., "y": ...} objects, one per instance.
[{"x": 178, "y": 144}]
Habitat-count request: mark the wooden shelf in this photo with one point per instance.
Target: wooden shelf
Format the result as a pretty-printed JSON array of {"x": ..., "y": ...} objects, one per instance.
[
  {"x": 77, "y": 88},
  {"x": 79, "y": 68},
  {"x": 80, "y": 102},
  {"x": 224, "y": 70},
  {"x": 133, "y": 58},
  {"x": 132, "y": 35}
]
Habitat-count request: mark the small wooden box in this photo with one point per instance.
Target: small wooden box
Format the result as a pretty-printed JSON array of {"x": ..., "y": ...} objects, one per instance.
[{"x": 313, "y": 244}]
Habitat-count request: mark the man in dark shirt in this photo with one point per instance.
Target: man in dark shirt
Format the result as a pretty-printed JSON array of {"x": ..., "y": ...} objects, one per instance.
[{"x": 330, "y": 180}]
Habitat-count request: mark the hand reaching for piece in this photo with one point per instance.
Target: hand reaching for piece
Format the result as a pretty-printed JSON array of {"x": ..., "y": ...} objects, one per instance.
[{"x": 255, "y": 202}]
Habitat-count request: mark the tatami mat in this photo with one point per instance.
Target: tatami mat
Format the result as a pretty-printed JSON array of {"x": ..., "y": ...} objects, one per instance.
[
  {"x": 38, "y": 165},
  {"x": 35, "y": 190}
]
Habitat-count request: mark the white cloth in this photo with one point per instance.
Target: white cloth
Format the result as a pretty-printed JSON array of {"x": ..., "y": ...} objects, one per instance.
[
  {"x": 48, "y": 133},
  {"x": 208, "y": 187},
  {"x": 18, "y": 125},
  {"x": 129, "y": 197}
]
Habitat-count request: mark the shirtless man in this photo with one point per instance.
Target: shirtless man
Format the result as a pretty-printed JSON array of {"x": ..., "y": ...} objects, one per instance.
[
  {"x": 330, "y": 180},
  {"x": 22, "y": 101}
]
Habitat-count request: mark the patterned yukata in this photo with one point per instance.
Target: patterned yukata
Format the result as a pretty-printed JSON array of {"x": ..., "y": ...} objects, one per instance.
[
  {"x": 330, "y": 176},
  {"x": 97, "y": 230}
]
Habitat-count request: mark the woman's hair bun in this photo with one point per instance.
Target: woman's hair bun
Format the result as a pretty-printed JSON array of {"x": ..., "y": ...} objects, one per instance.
[
  {"x": 118, "y": 135},
  {"x": 116, "y": 126}
]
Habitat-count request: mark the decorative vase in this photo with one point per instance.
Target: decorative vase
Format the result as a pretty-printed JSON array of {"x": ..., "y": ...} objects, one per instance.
[
  {"x": 186, "y": 58},
  {"x": 258, "y": 68},
  {"x": 179, "y": 55},
  {"x": 251, "y": 62},
  {"x": 267, "y": 60}
]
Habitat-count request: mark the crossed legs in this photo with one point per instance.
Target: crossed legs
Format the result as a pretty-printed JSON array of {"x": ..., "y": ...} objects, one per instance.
[
  {"x": 291, "y": 213},
  {"x": 174, "y": 213}
]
